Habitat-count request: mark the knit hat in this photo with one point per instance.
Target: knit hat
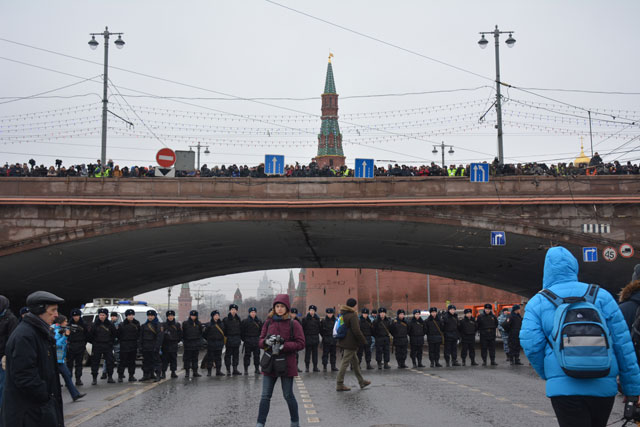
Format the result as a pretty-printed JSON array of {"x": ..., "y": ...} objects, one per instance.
[
  {"x": 351, "y": 302},
  {"x": 636, "y": 273}
]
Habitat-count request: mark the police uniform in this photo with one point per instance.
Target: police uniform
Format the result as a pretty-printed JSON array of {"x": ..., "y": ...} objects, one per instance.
[
  {"x": 487, "y": 325},
  {"x": 416, "y": 338},
  {"x": 102, "y": 335},
  {"x": 468, "y": 329},
  {"x": 433, "y": 330},
  {"x": 77, "y": 344},
  {"x": 215, "y": 337},
  {"x": 192, "y": 339},
  {"x": 172, "y": 336},
  {"x": 232, "y": 330},
  {"x": 400, "y": 332},
  {"x": 251, "y": 328},
  {"x": 451, "y": 336},
  {"x": 128, "y": 335},
  {"x": 328, "y": 342},
  {"x": 366, "y": 328},
  {"x": 381, "y": 332},
  {"x": 311, "y": 328},
  {"x": 151, "y": 338}
]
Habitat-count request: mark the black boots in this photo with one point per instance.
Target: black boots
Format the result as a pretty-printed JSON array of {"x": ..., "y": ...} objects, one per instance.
[
  {"x": 306, "y": 369},
  {"x": 369, "y": 367},
  {"x": 455, "y": 363},
  {"x": 219, "y": 372},
  {"x": 386, "y": 366},
  {"x": 110, "y": 380},
  {"x": 464, "y": 362},
  {"x": 186, "y": 373},
  {"x": 173, "y": 374},
  {"x": 413, "y": 361},
  {"x": 433, "y": 364},
  {"x": 379, "y": 365},
  {"x": 493, "y": 363},
  {"x": 196, "y": 374},
  {"x": 334, "y": 368},
  {"x": 79, "y": 382},
  {"x": 208, "y": 372},
  {"x": 315, "y": 368},
  {"x": 120, "y": 378},
  {"x": 132, "y": 379},
  {"x": 95, "y": 379},
  {"x": 103, "y": 376},
  {"x": 473, "y": 362},
  {"x": 324, "y": 368}
]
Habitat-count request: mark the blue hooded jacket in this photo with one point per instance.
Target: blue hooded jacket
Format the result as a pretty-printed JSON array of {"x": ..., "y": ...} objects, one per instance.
[{"x": 561, "y": 277}]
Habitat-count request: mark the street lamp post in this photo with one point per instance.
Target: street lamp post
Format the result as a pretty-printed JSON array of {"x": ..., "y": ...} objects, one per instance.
[
  {"x": 483, "y": 42},
  {"x": 442, "y": 146},
  {"x": 93, "y": 44},
  {"x": 198, "y": 146}
]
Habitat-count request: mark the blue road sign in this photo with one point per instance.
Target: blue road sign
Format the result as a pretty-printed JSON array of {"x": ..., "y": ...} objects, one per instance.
[
  {"x": 479, "y": 172},
  {"x": 498, "y": 238},
  {"x": 590, "y": 254},
  {"x": 364, "y": 168},
  {"x": 273, "y": 164}
]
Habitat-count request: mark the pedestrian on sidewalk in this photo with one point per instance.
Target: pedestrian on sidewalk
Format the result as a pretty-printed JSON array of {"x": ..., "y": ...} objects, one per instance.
[
  {"x": 32, "y": 395},
  {"x": 350, "y": 344},
  {"x": 579, "y": 401},
  {"x": 61, "y": 333},
  {"x": 279, "y": 323}
]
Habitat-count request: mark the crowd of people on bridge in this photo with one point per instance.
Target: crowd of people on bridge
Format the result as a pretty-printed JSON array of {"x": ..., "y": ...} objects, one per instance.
[
  {"x": 596, "y": 166},
  {"x": 42, "y": 344}
]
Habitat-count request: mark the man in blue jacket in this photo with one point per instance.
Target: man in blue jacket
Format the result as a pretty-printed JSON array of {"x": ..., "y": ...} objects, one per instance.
[{"x": 577, "y": 402}]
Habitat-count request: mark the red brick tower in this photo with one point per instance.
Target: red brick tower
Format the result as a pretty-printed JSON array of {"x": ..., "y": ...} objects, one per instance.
[
  {"x": 330, "y": 139},
  {"x": 184, "y": 302},
  {"x": 291, "y": 288}
]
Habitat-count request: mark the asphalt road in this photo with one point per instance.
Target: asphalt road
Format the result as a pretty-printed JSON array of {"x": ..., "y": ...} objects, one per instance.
[{"x": 461, "y": 396}]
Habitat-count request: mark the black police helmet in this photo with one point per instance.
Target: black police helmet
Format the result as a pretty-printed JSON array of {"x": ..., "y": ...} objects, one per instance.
[
  {"x": 39, "y": 300},
  {"x": 130, "y": 312}
]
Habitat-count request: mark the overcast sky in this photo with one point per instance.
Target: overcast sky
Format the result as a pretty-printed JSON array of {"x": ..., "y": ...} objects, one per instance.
[{"x": 198, "y": 50}]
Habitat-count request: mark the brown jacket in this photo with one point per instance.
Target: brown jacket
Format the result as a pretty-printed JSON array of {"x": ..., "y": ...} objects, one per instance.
[{"x": 354, "y": 338}]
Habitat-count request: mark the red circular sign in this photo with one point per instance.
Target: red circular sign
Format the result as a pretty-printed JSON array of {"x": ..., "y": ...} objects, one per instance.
[
  {"x": 166, "y": 158},
  {"x": 626, "y": 250}
]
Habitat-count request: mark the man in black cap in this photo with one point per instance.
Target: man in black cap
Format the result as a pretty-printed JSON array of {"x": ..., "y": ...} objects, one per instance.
[
  {"x": 231, "y": 325},
  {"x": 8, "y": 323},
  {"x": 416, "y": 338},
  {"x": 216, "y": 339},
  {"x": 192, "y": 339},
  {"x": 366, "y": 327},
  {"x": 381, "y": 331},
  {"x": 487, "y": 325},
  {"x": 151, "y": 337},
  {"x": 78, "y": 336},
  {"x": 328, "y": 342},
  {"x": 451, "y": 336},
  {"x": 251, "y": 328},
  {"x": 32, "y": 393},
  {"x": 128, "y": 335},
  {"x": 103, "y": 335},
  {"x": 512, "y": 325},
  {"x": 311, "y": 328},
  {"x": 435, "y": 337},
  {"x": 400, "y": 332},
  {"x": 468, "y": 329},
  {"x": 172, "y": 336}
]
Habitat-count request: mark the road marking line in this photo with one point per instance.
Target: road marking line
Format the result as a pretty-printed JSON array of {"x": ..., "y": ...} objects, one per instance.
[
  {"x": 307, "y": 400},
  {"x": 474, "y": 389},
  {"x": 118, "y": 394},
  {"x": 546, "y": 414},
  {"x": 487, "y": 394},
  {"x": 73, "y": 414},
  {"x": 502, "y": 399},
  {"x": 308, "y": 405},
  {"x": 313, "y": 419},
  {"x": 463, "y": 385},
  {"x": 520, "y": 405},
  {"x": 311, "y": 412},
  {"x": 117, "y": 402}
]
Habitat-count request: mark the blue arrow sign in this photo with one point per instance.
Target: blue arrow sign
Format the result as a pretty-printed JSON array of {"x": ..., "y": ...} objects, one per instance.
[
  {"x": 364, "y": 168},
  {"x": 479, "y": 172},
  {"x": 498, "y": 238},
  {"x": 273, "y": 164},
  {"x": 590, "y": 254}
]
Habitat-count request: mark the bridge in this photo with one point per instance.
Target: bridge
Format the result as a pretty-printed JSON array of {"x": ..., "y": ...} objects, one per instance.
[{"x": 83, "y": 238}]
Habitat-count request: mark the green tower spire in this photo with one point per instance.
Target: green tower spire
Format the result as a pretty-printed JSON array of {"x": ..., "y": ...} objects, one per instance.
[{"x": 330, "y": 139}]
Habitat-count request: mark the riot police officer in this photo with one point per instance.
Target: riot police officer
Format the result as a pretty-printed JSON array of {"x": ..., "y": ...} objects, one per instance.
[
  {"x": 192, "y": 338},
  {"x": 172, "y": 336},
  {"x": 77, "y": 344},
  {"x": 468, "y": 329},
  {"x": 328, "y": 342},
  {"x": 416, "y": 338},
  {"x": 311, "y": 328},
  {"x": 128, "y": 335},
  {"x": 433, "y": 329},
  {"x": 251, "y": 328},
  {"x": 487, "y": 325},
  {"x": 400, "y": 332},
  {"x": 381, "y": 327},
  {"x": 366, "y": 328},
  {"x": 215, "y": 337},
  {"x": 151, "y": 338},
  {"x": 102, "y": 336},
  {"x": 233, "y": 332},
  {"x": 451, "y": 336}
]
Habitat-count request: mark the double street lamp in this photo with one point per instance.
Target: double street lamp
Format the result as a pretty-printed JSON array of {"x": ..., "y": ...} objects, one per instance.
[
  {"x": 93, "y": 44},
  {"x": 483, "y": 42},
  {"x": 442, "y": 146}
]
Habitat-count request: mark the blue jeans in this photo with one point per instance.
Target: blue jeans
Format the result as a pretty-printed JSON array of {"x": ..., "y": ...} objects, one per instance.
[
  {"x": 268, "y": 383},
  {"x": 62, "y": 367},
  {"x": 2, "y": 374}
]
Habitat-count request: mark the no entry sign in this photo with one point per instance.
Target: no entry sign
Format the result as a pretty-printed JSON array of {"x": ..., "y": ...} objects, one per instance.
[{"x": 166, "y": 158}]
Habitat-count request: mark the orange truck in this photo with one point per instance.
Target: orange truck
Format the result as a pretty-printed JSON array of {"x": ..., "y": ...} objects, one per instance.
[{"x": 497, "y": 308}]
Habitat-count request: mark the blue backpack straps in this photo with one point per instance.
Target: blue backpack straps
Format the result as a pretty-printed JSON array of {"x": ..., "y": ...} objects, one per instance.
[{"x": 555, "y": 299}]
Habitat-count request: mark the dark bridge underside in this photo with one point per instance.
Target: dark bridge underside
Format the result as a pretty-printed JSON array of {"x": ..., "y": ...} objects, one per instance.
[{"x": 132, "y": 262}]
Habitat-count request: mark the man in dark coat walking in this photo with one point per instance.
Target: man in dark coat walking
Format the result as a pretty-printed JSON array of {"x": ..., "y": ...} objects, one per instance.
[
  {"x": 8, "y": 323},
  {"x": 32, "y": 396},
  {"x": 350, "y": 344},
  {"x": 251, "y": 328}
]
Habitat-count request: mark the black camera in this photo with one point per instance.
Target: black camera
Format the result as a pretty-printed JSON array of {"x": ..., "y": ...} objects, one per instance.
[
  {"x": 275, "y": 347},
  {"x": 32, "y": 163},
  {"x": 631, "y": 410},
  {"x": 58, "y": 163}
]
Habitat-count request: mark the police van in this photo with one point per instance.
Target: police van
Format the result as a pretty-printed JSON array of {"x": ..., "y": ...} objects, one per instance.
[{"x": 115, "y": 305}]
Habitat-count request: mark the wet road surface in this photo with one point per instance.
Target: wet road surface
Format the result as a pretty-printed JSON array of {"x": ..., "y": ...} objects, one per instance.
[{"x": 460, "y": 396}]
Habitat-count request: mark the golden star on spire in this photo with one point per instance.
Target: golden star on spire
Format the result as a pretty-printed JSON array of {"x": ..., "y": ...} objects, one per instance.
[{"x": 330, "y": 56}]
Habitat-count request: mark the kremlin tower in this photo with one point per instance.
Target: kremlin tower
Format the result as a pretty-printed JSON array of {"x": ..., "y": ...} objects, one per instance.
[{"x": 330, "y": 139}]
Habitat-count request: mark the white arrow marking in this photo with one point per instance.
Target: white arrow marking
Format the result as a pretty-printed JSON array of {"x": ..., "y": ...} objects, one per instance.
[
  {"x": 588, "y": 251},
  {"x": 275, "y": 162},
  {"x": 364, "y": 168},
  {"x": 497, "y": 238},
  {"x": 481, "y": 170}
]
